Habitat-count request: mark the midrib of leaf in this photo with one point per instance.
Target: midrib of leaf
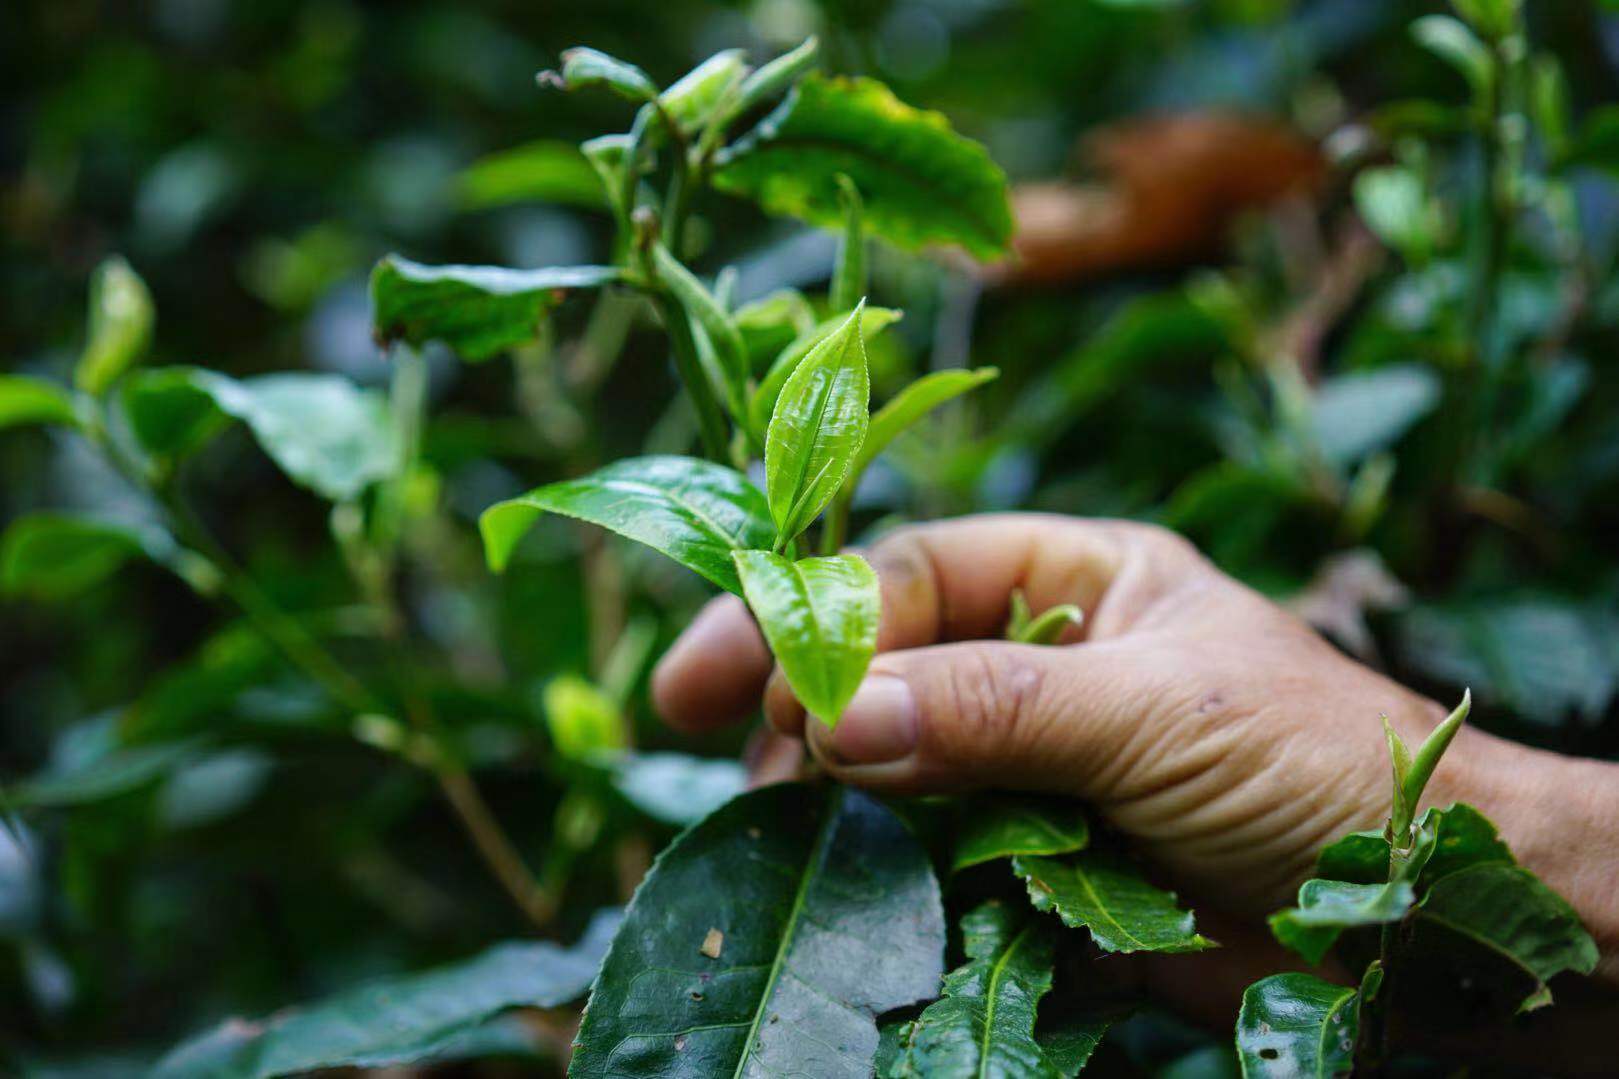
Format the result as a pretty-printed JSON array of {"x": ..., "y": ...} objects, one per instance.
[
  {"x": 834, "y": 805},
  {"x": 1477, "y": 939},
  {"x": 996, "y": 972},
  {"x": 1090, "y": 890},
  {"x": 815, "y": 614},
  {"x": 821, "y": 405},
  {"x": 1326, "y": 1026},
  {"x": 915, "y": 179}
]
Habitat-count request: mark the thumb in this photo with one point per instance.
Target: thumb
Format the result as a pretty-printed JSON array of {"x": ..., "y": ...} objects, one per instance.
[{"x": 990, "y": 714}]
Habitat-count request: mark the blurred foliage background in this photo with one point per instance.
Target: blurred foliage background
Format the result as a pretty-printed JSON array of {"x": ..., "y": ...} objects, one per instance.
[{"x": 1387, "y": 399}]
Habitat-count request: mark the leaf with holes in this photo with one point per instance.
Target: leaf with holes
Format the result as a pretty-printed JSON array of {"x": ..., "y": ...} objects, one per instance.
[
  {"x": 827, "y": 913},
  {"x": 1296, "y": 1025}
]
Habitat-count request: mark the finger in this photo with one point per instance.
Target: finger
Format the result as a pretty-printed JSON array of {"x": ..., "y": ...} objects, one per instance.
[
  {"x": 782, "y": 709},
  {"x": 953, "y": 580},
  {"x": 993, "y": 714},
  {"x": 771, "y": 758},
  {"x": 714, "y": 673}
]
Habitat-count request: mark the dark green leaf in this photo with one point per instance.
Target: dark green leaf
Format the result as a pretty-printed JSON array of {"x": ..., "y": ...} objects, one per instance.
[
  {"x": 478, "y": 311},
  {"x": 25, "y": 400},
  {"x": 1463, "y": 837},
  {"x": 398, "y": 1021},
  {"x": 546, "y": 170},
  {"x": 1328, "y": 907},
  {"x": 323, "y": 431},
  {"x": 582, "y": 67},
  {"x": 693, "y": 511},
  {"x": 912, "y": 403},
  {"x": 1296, "y": 1026},
  {"x": 767, "y": 940},
  {"x": 922, "y": 183},
  {"x": 816, "y": 429},
  {"x": 1597, "y": 143},
  {"x": 995, "y": 826},
  {"x": 1507, "y": 910},
  {"x": 1107, "y": 895},
  {"x": 121, "y": 318},
  {"x": 707, "y": 314},
  {"x": 873, "y": 320},
  {"x": 984, "y": 1025},
  {"x": 57, "y": 555},
  {"x": 820, "y": 616},
  {"x": 676, "y": 788}
]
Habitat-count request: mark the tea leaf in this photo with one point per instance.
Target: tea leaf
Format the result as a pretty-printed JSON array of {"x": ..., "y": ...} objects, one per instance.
[
  {"x": 995, "y": 826},
  {"x": 546, "y": 170},
  {"x": 583, "y": 722},
  {"x": 676, "y": 788},
  {"x": 397, "y": 1020},
  {"x": 849, "y": 270},
  {"x": 706, "y": 312},
  {"x": 322, "y": 430},
  {"x": 1025, "y": 628},
  {"x": 693, "y": 511},
  {"x": 984, "y": 1025},
  {"x": 820, "y": 617},
  {"x": 766, "y": 83},
  {"x": 830, "y": 916},
  {"x": 1463, "y": 837},
  {"x": 121, "y": 318},
  {"x": 873, "y": 320},
  {"x": 912, "y": 403},
  {"x": 478, "y": 311},
  {"x": 25, "y": 400},
  {"x": 769, "y": 325},
  {"x": 1426, "y": 759},
  {"x": 1355, "y": 415},
  {"x": 583, "y": 67},
  {"x": 1451, "y": 41},
  {"x": 1508, "y": 911},
  {"x": 1328, "y": 907},
  {"x": 922, "y": 183},
  {"x": 57, "y": 555},
  {"x": 1294, "y": 1025},
  {"x": 816, "y": 429},
  {"x": 1102, "y": 892},
  {"x": 692, "y": 99},
  {"x": 1072, "y": 1039}
]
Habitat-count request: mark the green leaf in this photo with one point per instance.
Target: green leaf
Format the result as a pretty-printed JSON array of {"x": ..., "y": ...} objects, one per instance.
[
  {"x": 1463, "y": 837},
  {"x": 104, "y": 775},
  {"x": 676, "y": 788},
  {"x": 1328, "y": 907},
  {"x": 1394, "y": 205},
  {"x": 770, "y": 81},
  {"x": 767, "y": 940},
  {"x": 1508, "y": 911},
  {"x": 1451, "y": 41},
  {"x": 609, "y": 156},
  {"x": 769, "y": 325},
  {"x": 1296, "y": 1025},
  {"x": 25, "y": 400},
  {"x": 1073, "y": 1039},
  {"x": 696, "y": 512},
  {"x": 398, "y": 1020},
  {"x": 55, "y": 556},
  {"x": 992, "y": 826},
  {"x": 873, "y": 320},
  {"x": 820, "y": 616},
  {"x": 583, "y": 67},
  {"x": 1105, "y": 894},
  {"x": 1596, "y": 144},
  {"x": 849, "y": 269},
  {"x": 121, "y": 318},
  {"x": 1429, "y": 753},
  {"x": 479, "y": 311},
  {"x": 984, "y": 1025},
  {"x": 692, "y": 99},
  {"x": 915, "y": 401},
  {"x": 816, "y": 429},
  {"x": 582, "y": 720},
  {"x": 1024, "y": 628},
  {"x": 922, "y": 183},
  {"x": 1492, "y": 18},
  {"x": 545, "y": 170},
  {"x": 1355, "y": 415},
  {"x": 322, "y": 430},
  {"x": 707, "y": 314}
]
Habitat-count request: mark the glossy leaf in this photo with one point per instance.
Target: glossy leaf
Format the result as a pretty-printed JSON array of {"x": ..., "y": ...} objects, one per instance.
[
  {"x": 1427, "y": 757},
  {"x": 324, "y": 432},
  {"x": 992, "y": 826},
  {"x": 676, "y": 788},
  {"x": 770, "y": 324},
  {"x": 583, "y": 67},
  {"x": 848, "y": 286},
  {"x": 873, "y": 320},
  {"x": 545, "y": 170},
  {"x": 582, "y": 720},
  {"x": 1025, "y": 627},
  {"x": 820, "y": 617},
  {"x": 915, "y": 401},
  {"x": 922, "y": 183},
  {"x": 827, "y": 915},
  {"x": 1463, "y": 837},
  {"x": 479, "y": 311},
  {"x": 399, "y": 1020},
  {"x": 770, "y": 81},
  {"x": 1328, "y": 907},
  {"x": 26, "y": 400},
  {"x": 984, "y": 1025},
  {"x": 692, "y": 99},
  {"x": 705, "y": 311},
  {"x": 1103, "y": 893},
  {"x": 1507, "y": 910},
  {"x": 694, "y": 511},
  {"x": 121, "y": 318},
  {"x": 1296, "y": 1026},
  {"x": 57, "y": 555},
  {"x": 816, "y": 429}
]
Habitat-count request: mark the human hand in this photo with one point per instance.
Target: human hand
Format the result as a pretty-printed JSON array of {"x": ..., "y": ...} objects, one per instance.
[{"x": 1217, "y": 730}]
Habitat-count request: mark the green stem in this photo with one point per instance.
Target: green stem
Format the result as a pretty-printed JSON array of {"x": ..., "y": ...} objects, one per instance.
[
  {"x": 835, "y": 524},
  {"x": 710, "y": 418}
]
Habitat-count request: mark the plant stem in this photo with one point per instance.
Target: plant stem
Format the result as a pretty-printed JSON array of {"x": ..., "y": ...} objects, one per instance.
[
  {"x": 835, "y": 525},
  {"x": 710, "y": 419}
]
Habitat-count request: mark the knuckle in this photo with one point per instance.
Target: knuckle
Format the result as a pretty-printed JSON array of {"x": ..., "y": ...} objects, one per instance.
[{"x": 994, "y": 693}]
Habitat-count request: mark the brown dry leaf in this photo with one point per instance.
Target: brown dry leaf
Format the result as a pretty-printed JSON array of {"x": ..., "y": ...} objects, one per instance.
[{"x": 1168, "y": 191}]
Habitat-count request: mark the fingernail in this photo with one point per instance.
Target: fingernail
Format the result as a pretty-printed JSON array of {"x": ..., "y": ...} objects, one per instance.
[{"x": 879, "y": 726}]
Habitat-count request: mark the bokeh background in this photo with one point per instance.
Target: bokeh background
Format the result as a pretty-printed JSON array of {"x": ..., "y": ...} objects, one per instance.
[{"x": 1202, "y": 333}]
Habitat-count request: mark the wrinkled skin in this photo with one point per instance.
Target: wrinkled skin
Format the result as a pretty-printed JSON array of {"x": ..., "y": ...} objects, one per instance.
[{"x": 1216, "y": 729}]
